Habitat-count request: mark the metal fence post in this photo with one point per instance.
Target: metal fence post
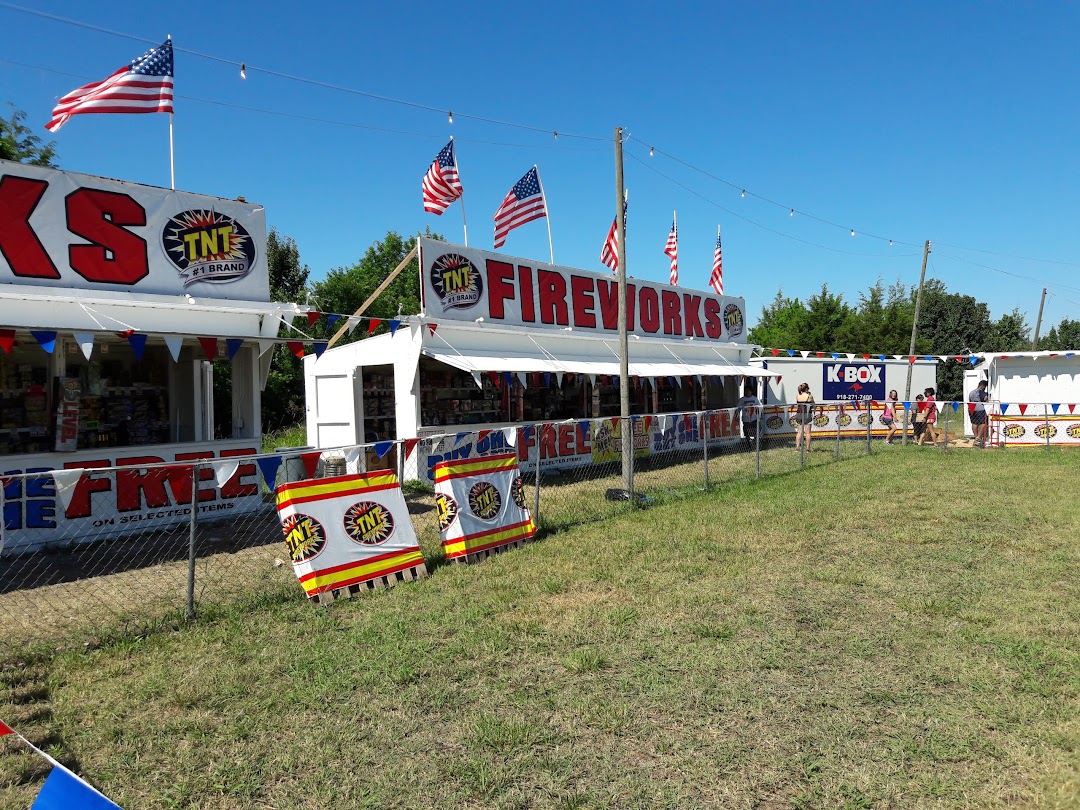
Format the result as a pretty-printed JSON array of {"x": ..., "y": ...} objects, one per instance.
[
  {"x": 839, "y": 413},
  {"x": 757, "y": 445},
  {"x": 705, "y": 446},
  {"x": 944, "y": 429},
  {"x": 869, "y": 427},
  {"x": 539, "y": 429},
  {"x": 1046, "y": 419},
  {"x": 192, "y": 526},
  {"x": 3, "y": 516}
]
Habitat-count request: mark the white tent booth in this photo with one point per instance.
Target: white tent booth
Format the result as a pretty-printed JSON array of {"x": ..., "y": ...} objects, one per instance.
[
  {"x": 506, "y": 341},
  {"x": 115, "y": 299},
  {"x": 1034, "y": 396}
]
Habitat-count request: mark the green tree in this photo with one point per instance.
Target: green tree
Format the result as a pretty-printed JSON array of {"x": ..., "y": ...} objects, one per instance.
[
  {"x": 283, "y": 397},
  {"x": 1010, "y": 333},
  {"x": 346, "y": 288},
  {"x": 18, "y": 143},
  {"x": 824, "y": 324},
  {"x": 1063, "y": 337},
  {"x": 780, "y": 323}
]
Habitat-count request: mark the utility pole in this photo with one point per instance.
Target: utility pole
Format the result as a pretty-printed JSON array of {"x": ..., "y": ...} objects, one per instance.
[
  {"x": 627, "y": 431},
  {"x": 1038, "y": 322},
  {"x": 914, "y": 332}
]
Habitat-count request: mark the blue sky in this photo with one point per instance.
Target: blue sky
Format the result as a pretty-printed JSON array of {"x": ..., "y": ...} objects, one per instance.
[{"x": 955, "y": 122}]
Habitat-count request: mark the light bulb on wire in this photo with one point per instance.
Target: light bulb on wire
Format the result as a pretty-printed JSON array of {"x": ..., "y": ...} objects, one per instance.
[
  {"x": 791, "y": 213},
  {"x": 651, "y": 151},
  {"x": 743, "y": 192},
  {"x": 243, "y": 70},
  {"x": 450, "y": 116},
  {"x": 852, "y": 231}
]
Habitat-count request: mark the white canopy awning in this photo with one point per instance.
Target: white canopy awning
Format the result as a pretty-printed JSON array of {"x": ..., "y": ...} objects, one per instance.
[{"x": 479, "y": 350}]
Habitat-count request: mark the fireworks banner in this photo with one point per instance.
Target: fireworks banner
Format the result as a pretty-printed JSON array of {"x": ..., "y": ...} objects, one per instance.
[
  {"x": 481, "y": 504},
  {"x": 347, "y": 530}
]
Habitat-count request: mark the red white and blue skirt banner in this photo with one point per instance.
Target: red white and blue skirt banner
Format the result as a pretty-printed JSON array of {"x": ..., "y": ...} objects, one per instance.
[
  {"x": 481, "y": 504},
  {"x": 346, "y": 530}
]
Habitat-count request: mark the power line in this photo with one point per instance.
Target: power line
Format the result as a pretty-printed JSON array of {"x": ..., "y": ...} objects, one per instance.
[
  {"x": 723, "y": 208},
  {"x": 1008, "y": 273},
  {"x": 303, "y": 79}
]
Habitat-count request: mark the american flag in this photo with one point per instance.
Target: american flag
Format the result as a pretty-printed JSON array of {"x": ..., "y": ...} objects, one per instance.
[
  {"x": 609, "y": 254},
  {"x": 671, "y": 249},
  {"x": 716, "y": 281},
  {"x": 524, "y": 203},
  {"x": 144, "y": 86},
  {"x": 441, "y": 183}
]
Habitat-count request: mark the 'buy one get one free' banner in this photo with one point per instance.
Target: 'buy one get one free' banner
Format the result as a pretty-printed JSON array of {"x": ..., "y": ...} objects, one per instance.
[
  {"x": 346, "y": 530},
  {"x": 481, "y": 504}
]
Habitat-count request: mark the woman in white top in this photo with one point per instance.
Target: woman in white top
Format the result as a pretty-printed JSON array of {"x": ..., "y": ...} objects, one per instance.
[{"x": 890, "y": 418}]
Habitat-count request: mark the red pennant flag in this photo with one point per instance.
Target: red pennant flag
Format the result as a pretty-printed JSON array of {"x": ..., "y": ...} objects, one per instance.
[
  {"x": 410, "y": 445},
  {"x": 911, "y": 359},
  {"x": 866, "y": 357},
  {"x": 311, "y": 462},
  {"x": 820, "y": 354},
  {"x": 5, "y": 729},
  {"x": 432, "y": 327},
  {"x": 209, "y": 347},
  {"x": 312, "y": 317},
  {"x": 971, "y": 408},
  {"x": 959, "y": 358},
  {"x": 295, "y": 346},
  {"x": 779, "y": 379},
  {"x": 494, "y": 378},
  {"x": 7, "y": 340},
  {"x": 614, "y": 422},
  {"x": 1071, "y": 408},
  {"x": 125, "y": 334},
  {"x": 1023, "y": 408},
  {"x": 775, "y": 352},
  {"x": 871, "y": 404},
  {"x": 483, "y": 435},
  {"x": 373, "y": 324}
]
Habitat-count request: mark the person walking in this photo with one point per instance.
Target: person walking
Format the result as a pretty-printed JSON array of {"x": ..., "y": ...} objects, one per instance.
[
  {"x": 888, "y": 416},
  {"x": 804, "y": 416},
  {"x": 920, "y": 420},
  {"x": 979, "y": 424},
  {"x": 749, "y": 408},
  {"x": 931, "y": 415}
]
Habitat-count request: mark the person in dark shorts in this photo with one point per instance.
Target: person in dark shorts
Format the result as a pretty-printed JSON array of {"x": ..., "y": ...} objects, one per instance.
[
  {"x": 920, "y": 420},
  {"x": 978, "y": 413}
]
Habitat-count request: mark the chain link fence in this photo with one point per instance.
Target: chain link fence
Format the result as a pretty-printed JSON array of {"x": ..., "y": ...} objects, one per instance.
[{"x": 88, "y": 552}]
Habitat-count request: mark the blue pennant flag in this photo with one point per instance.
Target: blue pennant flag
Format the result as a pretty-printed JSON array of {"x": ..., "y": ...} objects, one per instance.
[
  {"x": 1069, "y": 354},
  {"x": 790, "y": 352},
  {"x": 928, "y": 356},
  {"x": 331, "y": 319},
  {"x": 835, "y": 356},
  {"x": 907, "y": 406},
  {"x": 394, "y": 327},
  {"x": 63, "y": 790},
  {"x": 974, "y": 359},
  {"x": 1004, "y": 407},
  {"x": 320, "y": 347},
  {"x": 547, "y": 379},
  {"x": 1055, "y": 406},
  {"x": 881, "y": 357},
  {"x": 232, "y": 346},
  {"x": 526, "y": 434},
  {"x": 507, "y": 378},
  {"x": 583, "y": 426},
  {"x": 268, "y": 466},
  {"x": 382, "y": 448},
  {"x": 46, "y": 340},
  {"x": 460, "y": 436},
  {"x": 955, "y": 407},
  {"x": 138, "y": 344},
  {"x": 615, "y": 380}
]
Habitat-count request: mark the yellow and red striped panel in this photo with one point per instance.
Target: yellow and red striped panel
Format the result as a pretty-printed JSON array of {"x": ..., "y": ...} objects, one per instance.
[
  {"x": 341, "y": 576},
  {"x": 460, "y": 468},
  {"x": 479, "y": 541},
  {"x": 324, "y": 488}
]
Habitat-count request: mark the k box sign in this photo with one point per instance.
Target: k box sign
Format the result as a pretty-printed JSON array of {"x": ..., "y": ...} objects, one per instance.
[
  {"x": 64, "y": 230},
  {"x": 853, "y": 381},
  {"x": 463, "y": 283}
]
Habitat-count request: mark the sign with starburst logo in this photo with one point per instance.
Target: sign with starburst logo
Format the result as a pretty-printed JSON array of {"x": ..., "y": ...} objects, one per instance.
[{"x": 208, "y": 246}]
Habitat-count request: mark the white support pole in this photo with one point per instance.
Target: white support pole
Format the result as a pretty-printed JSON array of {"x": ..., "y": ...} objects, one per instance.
[
  {"x": 461, "y": 199},
  {"x": 172, "y": 163},
  {"x": 547, "y": 215}
]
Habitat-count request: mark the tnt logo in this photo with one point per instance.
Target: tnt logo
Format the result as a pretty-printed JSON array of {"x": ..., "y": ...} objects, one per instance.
[
  {"x": 208, "y": 246},
  {"x": 456, "y": 281}
]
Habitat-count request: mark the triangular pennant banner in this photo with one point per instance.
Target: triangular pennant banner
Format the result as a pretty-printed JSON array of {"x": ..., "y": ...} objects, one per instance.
[
  {"x": 382, "y": 448},
  {"x": 547, "y": 379},
  {"x": 311, "y": 462},
  {"x": 1071, "y": 406},
  {"x": 790, "y": 352},
  {"x": 820, "y": 354},
  {"x": 268, "y": 466},
  {"x": 911, "y": 359},
  {"x": 527, "y": 433},
  {"x": 138, "y": 344},
  {"x": 1055, "y": 406},
  {"x": 232, "y": 346},
  {"x": 312, "y": 317},
  {"x": 320, "y": 347},
  {"x": 45, "y": 339},
  {"x": 394, "y": 324},
  {"x": 7, "y": 340},
  {"x": 224, "y": 471},
  {"x": 352, "y": 455},
  {"x": 476, "y": 379},
  {"x": 63, "y": 790},
  {"x": 521, "y": 379},
  {"x": 175, "y": 343},
  {"x": 955, "y": 407},
  {"x": 265, "y": 346},
  {"x": 614, "y": 422},
  {"x": 126, "y": 333},
  {"x": 971, "y": 408},
  {"x": 483, "y": 434},
  {"x": 209, "y": 347},
  {"x": 775, "y": 352},
  {"x": 432, "y": 327},
  {"x": 410, "y": 445},
  {"x": 86, "y": 343},
  {"x": 296, "y": 347},
  {"x": 373, "y": 324},
  {"x": 1023, "y": 408},
  {"x": 907, "y": 405},
  {"x": 506, "y": 378},
  {"x": 331, "y": 319},
  {"x": 65, "y": 484},
  {"x": 805, "y": 354},
  {"x": 510, "y": 434},
  {"x": 354, "y": 322},
  {"x": 494, "y": 378},
  {"x": 1004, "y": 406},
  {"x": 583, "y": 428}
]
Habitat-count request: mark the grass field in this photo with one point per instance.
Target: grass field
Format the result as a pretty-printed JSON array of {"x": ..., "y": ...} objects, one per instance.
[{"x": 901, "y": 630}]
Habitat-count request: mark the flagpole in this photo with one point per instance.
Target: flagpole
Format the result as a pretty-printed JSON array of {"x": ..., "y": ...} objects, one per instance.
[
  {"x": 172, "y": 163},
  {"x": 464, "y": 224},
  {"x": 547, "y": 214}
]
